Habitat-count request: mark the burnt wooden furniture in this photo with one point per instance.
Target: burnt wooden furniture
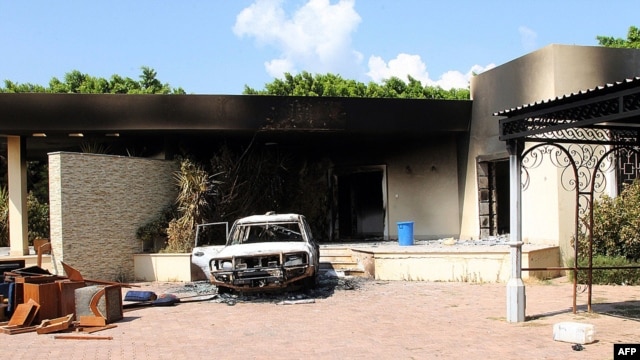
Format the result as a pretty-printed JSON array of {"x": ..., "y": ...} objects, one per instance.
[{"x": 98, "y": 305}]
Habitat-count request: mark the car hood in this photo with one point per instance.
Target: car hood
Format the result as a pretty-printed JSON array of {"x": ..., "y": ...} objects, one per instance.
[{"x": 262, "y": 248}]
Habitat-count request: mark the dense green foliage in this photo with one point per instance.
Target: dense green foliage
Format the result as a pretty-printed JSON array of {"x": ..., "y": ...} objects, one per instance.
[
  {"x": 616, "y": 225},
  {"x": 306, "y": 84},
  {"x": 77, "y": 82},
  {"x": 38, "y": 215},
  {"x": 608, "y": 276},
  {"x": 631, "y": 42},
  {"x": 616, "y": 238},
  {"x": 4, "y": 216}
]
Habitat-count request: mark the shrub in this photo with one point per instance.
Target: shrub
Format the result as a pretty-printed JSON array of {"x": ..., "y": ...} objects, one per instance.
[
  {"x": 195, "y": 187},
  {"x": 608, "y": 276},
  {"x": 616, "y": 225},
  {"x": 157, "y": 227},
  {"x": 38, "y": 214},
  {"x": 38, "y": 217},
  {"x": 4, "y": 216}
]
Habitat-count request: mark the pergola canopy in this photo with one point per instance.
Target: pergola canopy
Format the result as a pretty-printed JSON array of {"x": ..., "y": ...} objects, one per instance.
[{"x": 608, "y": 114}]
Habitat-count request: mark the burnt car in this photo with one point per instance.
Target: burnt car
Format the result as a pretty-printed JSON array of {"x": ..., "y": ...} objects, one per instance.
[{"x": 263, "y": 252}]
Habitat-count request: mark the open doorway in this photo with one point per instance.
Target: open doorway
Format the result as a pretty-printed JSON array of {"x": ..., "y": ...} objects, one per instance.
[
  {"x": 493, "y": 197},
  {"x": 359, "y": 198}
]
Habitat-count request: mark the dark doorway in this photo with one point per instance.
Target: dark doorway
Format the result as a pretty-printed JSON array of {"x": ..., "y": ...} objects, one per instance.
[
  {"x": 359, "y": 206},
  {"x": 493, "y": 197},
  {"x": 502, "y": 196}
]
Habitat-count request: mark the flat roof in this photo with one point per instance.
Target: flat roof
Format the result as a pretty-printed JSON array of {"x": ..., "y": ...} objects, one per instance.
[
  {"x": 26, "y": 113},
  {"x": 58, "y": 122}
]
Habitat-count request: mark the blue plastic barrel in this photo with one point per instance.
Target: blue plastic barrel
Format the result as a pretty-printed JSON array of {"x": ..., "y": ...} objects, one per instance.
[{"x": 405, "y": 233}]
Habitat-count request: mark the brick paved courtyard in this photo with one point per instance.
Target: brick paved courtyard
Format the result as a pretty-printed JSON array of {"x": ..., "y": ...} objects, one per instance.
[{"x": 377, "y": 320}]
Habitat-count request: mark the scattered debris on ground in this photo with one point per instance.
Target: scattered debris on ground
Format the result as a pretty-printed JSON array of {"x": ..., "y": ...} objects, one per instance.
[
  {"x": 328, "y": 283},
  {"x": 81, "y": 306},
  {"x": 35, "y": 300}
]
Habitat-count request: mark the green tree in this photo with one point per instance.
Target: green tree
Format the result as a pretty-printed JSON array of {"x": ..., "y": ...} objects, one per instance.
[
  {"x": 37, "y": 175},
  {"x": 306, "y": 84},
  {"x": 631, "y": 42},
  {"x": 80, "y": 83}
]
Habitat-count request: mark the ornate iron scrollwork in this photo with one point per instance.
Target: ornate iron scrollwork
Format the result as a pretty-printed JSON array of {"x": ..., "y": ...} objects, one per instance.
[{"x": 583, "y": 165}]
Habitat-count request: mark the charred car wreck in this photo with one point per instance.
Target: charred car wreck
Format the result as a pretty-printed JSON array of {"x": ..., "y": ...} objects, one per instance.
[{"x": 266, "y": 252}]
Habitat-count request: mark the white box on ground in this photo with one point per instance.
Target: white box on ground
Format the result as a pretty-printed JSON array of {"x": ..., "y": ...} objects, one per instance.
[{"x": 573, "y": 332}]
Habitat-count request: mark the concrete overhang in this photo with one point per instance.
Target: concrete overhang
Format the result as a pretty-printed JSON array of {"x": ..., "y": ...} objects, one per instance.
[{"x": 43, "y": 117}]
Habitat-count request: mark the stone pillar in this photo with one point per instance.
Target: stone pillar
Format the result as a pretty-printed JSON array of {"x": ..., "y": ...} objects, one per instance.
[
  {"x": 516, "y": 299},
  {"x": 18, "y": 219}
]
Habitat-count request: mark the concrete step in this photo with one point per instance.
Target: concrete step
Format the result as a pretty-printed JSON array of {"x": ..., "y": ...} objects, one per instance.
[
  {"x": 331, "y": 251},
  {"x": 339, "y": 265},
  {"x": 340, "y": 259},
  {"x": 334, "y": 258},
  {"x": 346, "y": 271}
]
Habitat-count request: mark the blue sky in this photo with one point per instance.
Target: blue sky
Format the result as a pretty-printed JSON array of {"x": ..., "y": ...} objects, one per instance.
[{"x": 219, "y": 46}]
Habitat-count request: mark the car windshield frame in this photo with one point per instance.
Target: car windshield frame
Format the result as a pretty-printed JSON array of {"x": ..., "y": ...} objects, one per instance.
[{"x": 266, "y": 232}]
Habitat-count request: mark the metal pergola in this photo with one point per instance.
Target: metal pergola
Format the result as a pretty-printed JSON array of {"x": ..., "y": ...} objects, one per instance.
[{"x": 587, "y": 135}]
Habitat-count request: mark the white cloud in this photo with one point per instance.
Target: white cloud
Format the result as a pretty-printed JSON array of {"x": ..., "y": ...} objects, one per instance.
[
  {"x": 277, "y": 67},
  {"x": 528, "y": 38},
  {"x": 315, "y": 38},
  {"x": 401, "y": 66},
  {"x": 406, "y": 64}
]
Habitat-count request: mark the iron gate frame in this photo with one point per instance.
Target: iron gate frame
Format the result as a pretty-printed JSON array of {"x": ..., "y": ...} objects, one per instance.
[{"x": 584, "y": 131}]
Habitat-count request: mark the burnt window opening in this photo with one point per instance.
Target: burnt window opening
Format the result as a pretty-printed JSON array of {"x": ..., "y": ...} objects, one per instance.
[{"x": 493, "y": 197}]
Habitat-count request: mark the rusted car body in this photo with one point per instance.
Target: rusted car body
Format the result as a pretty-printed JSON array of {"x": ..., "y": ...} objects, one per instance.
[{"x": 265, "y": 252}]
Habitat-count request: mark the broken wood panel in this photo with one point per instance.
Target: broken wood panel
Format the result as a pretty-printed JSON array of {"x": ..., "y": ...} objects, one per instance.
[
  {"x": 92, "y": 329},
  {"x": 12, "y": 330},
  {"x": 24, "y": 314},
  {"x": 89, "y": 320},
  {"x": 55, "y": 325}
]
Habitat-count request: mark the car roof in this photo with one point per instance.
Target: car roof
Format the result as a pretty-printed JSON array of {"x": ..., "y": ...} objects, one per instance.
[{"x": 269, "y": 218}]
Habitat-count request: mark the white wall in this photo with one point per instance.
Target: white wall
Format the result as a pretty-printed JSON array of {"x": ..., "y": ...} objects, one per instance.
[
  {"x": 423, "y": 188},
  {"x": 555, "y": 70}
]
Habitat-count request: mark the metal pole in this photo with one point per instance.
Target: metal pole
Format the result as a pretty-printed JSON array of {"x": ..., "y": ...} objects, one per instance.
[{"x": 516, "y": 299}]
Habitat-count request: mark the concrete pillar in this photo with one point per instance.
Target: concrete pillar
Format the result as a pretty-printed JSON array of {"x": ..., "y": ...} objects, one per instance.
[
  {"x": 516, "y": 299},
  {"x": 18, "y": 219}
]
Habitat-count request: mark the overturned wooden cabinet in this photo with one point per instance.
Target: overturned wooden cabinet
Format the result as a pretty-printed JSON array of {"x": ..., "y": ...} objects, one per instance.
[
  {"x": 98, "y": 305},
  {"x": 67, "y": 296}
]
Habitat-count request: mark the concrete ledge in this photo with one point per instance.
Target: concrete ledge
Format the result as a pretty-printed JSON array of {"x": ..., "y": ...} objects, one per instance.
[
  {"x": 457, "y": 263},
  {"x": 32, "y": 260},
  {"x": 162, "y": 267}
]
